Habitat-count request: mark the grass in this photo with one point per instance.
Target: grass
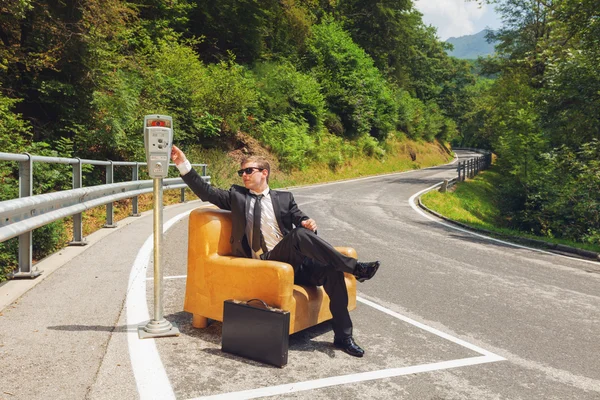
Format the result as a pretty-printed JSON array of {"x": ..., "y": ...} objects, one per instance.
[
  {"x": 475, "y": 204},
  {"x": 397, "y": 160}
]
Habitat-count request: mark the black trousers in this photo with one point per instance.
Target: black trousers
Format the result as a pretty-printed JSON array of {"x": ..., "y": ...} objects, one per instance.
[{"x": 316, "y": 262}]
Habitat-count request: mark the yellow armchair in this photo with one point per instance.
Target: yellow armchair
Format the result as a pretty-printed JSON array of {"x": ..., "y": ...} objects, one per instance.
[{"x": 215, "y": 276}]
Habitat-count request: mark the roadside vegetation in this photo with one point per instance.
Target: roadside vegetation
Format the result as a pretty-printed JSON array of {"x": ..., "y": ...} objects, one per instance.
[
  {"x": 478, "y": 203},
  {"x": 305, "y": 83},
  {"x": 538, "y": 111},
  {"x": 323, "y": 88}
]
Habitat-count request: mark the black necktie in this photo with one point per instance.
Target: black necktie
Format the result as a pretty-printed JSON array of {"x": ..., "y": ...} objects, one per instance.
[{"x": 256, "y": 225}]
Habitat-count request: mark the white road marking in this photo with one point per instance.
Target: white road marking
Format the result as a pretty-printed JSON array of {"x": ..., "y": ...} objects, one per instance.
[
  {"x": 150, "y": 375},
  {"x": 418, "y": 209},
  {"x": 151, "y": 278},
  {"x": 429, "y": 329},
  {"x": 345, "y": 379},
  {"x": 486, "y": 357}
]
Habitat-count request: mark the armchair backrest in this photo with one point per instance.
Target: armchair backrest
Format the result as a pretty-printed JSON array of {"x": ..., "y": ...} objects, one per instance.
[{"x": 210, "y": 232}]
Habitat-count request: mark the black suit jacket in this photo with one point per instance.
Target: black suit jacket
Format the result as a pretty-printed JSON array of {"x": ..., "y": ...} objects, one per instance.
[{"x": 237, "y": 200}]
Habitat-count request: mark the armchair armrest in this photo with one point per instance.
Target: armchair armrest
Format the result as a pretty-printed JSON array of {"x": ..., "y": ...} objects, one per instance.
[
  {"x": 227, "y": 277},
  {"x": 347, "y": 251}
]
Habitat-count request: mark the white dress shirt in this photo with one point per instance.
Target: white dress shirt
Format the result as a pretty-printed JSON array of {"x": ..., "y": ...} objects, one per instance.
[
  {"x": 268, "y": 222},
  {"x": 184, "y": 167}
]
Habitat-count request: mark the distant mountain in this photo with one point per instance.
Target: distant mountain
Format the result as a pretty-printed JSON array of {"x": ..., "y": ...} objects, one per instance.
[{"x": 471, "y": 46}]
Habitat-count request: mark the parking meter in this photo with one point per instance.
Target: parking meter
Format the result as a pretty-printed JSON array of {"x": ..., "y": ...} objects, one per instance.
[{"x": 158, "y": 140}]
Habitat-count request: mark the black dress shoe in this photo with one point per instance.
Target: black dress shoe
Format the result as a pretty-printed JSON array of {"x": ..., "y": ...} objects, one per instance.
[
  {"x": 349, "y": 346},
  {"x": 366, "y": 270}
]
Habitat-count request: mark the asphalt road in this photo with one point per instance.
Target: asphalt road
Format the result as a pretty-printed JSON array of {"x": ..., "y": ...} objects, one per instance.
[{"x": 449, "y": 315}]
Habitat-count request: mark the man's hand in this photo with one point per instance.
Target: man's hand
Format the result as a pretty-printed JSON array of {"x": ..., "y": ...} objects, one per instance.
[
  {"x": 177, "y": 155},
  {"x": 309, "y": 224}
]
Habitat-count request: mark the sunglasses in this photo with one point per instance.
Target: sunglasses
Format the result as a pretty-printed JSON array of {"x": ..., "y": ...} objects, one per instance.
[{"x": 248, "y": 171}]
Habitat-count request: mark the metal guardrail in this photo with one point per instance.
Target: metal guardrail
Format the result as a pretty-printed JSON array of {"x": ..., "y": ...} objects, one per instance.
[
  {"x": 470, "y": 168},
  {"x": 20, "y": 216}
]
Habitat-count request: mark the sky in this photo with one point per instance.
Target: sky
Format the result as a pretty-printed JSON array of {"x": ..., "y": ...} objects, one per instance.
[{"x": 454, "y": 18}]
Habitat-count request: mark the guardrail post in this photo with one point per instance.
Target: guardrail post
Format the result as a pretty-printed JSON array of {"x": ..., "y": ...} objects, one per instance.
[
  {"x": 25, "y": 240},
  {"x": 78, "y": 239},
  {"x": 444, "y": 187},
  {"x": 135, "y": 173},
  {"x": 109, "y": 207},
  {"x": 458, "y": 170}
]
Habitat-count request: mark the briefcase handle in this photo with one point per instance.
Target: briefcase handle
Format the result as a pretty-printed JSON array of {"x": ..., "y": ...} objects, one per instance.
[{"x": 263, "y": 303}]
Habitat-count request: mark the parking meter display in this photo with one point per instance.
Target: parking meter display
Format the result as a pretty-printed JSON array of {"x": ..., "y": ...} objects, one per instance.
[{"x": 158, "y": 140}]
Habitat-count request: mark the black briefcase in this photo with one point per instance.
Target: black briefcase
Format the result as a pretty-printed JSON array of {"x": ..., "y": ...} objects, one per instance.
[{"x": 254, "y": 330}]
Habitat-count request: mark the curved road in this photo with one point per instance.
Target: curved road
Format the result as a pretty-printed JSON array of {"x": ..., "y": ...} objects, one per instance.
[{"x": 450, "y": 315}]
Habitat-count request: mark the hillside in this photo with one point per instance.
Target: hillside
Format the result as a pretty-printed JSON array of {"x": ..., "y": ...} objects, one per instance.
[{"x": 471, "y": 46}]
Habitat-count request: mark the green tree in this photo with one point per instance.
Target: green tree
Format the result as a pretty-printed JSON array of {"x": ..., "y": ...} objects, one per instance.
[
  {"x": 354, "y": 88},
  {"x": 385, "y": 29}
]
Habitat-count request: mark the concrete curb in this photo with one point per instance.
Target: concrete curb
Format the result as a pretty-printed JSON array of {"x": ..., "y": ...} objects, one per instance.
[{"x": 517, "y": 239}]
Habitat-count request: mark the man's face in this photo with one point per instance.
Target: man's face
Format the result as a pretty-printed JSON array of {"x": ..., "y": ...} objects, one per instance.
[{"x": 257, "y": 179}]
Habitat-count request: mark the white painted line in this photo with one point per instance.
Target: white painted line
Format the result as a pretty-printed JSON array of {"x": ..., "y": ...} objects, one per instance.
[
  {"x": 418, "y": 209},
  {"x": 486, "y": 357},
  {"x": 429, "y": 329},
  {"x": 345, "y": 379},
  {"x": 151, "y": 278},
  {"x": 150, "y": 375}
]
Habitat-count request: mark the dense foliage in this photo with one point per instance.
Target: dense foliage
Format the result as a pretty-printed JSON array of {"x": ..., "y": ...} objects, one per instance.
[
  {"x": 542, "y": 116},
  {"x": 313, "y": 81}
]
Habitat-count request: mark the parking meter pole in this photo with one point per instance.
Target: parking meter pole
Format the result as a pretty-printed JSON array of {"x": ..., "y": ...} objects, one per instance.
[
  {"x": 158, "y": 326},
  {"x": 158, "y": 239}
]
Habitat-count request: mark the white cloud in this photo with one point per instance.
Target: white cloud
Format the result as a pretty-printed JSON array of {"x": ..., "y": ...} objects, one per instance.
[{"x": 454, "y": 17}]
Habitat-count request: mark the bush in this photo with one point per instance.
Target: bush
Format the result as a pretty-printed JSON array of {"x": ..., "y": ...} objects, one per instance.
[
  {"x": 448, "y": 131},
  {"x": 354, "y": 88},
  {"x": 207, "y": 103},
  {"x": 14, "y": 137},
  {"x": 290, "y": 141},
  {"x": 370, "y": 147},
  {"x": 14, "y": 134},
  {"x": 434, "y": 121},
  {"x": 564, "y": 196},
  {"x": 411, "y": 115},
  {"x": 288, "y": 93},
  {"x": 334, "y": 150},
  {"x": 231, "y": 94}
]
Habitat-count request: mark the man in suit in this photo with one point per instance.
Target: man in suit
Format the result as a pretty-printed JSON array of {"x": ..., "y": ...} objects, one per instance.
[{"x": 268, "y": 224}]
